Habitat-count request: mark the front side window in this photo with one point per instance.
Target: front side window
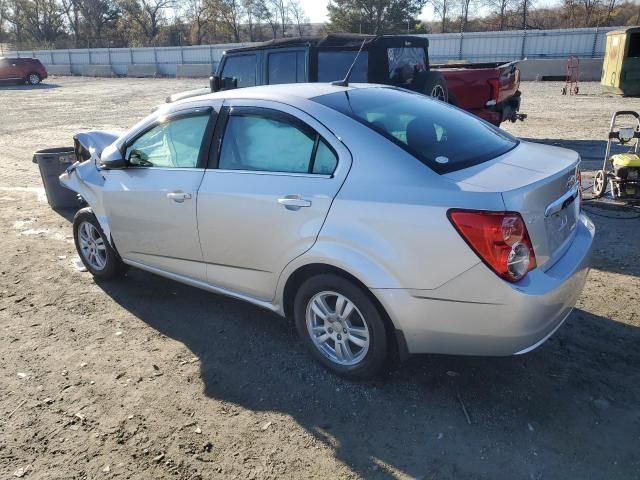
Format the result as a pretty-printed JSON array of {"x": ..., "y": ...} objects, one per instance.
[
  {"x": 172, "y": 144},
  {"x": 441, "y": 136},
  {"x": 242, "y": 68},
  {"x": 405, "y": 63},
  {"x": 272, "y": 143},
  {"x": 334, "y": 65},
  {"x": 286, "y": 67}
]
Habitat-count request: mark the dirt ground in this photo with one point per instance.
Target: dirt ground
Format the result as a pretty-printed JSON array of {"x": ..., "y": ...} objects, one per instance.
[{"x": 146, "y": 378}]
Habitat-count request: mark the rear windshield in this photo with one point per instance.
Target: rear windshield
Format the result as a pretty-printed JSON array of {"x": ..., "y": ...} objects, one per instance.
[{"x": 441, "y": 136}]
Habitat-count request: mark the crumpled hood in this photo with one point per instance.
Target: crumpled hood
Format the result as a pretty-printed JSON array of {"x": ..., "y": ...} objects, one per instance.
[{"x": 94, "y": 141}]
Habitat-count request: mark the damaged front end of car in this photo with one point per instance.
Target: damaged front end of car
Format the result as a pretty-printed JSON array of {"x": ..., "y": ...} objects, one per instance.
[{"x": 86, "y": 176}]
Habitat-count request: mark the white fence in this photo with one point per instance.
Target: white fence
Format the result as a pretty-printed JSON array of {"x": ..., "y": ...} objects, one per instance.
[
  {"x": 473, "y": 47},
  {"x": 518, "y": 44},
  {"x": 165, "y": 58}
]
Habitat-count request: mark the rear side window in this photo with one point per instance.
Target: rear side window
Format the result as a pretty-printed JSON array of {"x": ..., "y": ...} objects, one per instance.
[
  {"x": 286, "y": 67},
  {"x": 335, "y": 65},
  {"x": 271, "y": 142},
  {"x": 441, "y": 136},
  {"x": 242, "y": 68},
  {"x": 405, "y": 63}
]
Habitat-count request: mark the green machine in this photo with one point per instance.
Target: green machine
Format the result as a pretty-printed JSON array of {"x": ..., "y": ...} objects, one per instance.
[{"x": 621, "y": 66}]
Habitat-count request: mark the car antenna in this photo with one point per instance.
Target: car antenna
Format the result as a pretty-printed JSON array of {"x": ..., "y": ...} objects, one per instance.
[{"x": 345, "y": 81}]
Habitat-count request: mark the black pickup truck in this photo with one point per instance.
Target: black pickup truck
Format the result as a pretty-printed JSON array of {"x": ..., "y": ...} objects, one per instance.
[{"x": 489, "y": 90}]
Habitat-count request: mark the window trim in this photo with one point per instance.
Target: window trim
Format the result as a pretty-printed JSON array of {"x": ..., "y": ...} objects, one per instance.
[
  {"x": 179, "y": 115},
  {"x": 221, "y": 128}
]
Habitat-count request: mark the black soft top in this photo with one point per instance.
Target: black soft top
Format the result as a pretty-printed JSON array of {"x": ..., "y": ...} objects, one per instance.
[{"x": 350, "y": 40}]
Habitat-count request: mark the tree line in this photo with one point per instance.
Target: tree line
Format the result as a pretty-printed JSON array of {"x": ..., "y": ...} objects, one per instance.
[
  {"x": 140, "y": 23},
  {"x": 136, "y": 23}
]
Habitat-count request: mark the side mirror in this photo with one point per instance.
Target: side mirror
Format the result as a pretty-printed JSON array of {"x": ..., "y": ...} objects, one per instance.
[
  {"x": 217, "y": 83},
  {"x": 228, "y": 83},
  {"x": 112, "y": 160},
  {"x": 214, "y": 83}
]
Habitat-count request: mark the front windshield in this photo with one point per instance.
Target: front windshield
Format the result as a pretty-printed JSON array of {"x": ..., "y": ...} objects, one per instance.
[{"x": 442, "y": 136}]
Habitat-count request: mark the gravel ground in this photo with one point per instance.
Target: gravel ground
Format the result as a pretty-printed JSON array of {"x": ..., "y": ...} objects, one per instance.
[{"x": 147, "y": 378}]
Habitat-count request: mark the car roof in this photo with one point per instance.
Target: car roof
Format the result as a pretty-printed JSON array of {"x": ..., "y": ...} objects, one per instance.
[
  {"x": 335, "y": 40},
  {"x": 276, "y": 92}
]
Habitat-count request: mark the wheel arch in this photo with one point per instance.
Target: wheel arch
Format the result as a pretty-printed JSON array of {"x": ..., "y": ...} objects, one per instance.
[{"x": 395, "y": 337}]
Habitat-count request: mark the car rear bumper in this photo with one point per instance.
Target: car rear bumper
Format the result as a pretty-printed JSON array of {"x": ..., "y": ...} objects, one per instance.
[{"x": 477, "y": 313}]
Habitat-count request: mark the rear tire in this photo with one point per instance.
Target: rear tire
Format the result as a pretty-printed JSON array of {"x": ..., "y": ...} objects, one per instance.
[
  {"x": 599, "y": 184},
  {"x": 94, "y": 249},
  {"x": 33, "y": 79},
  {"x": 341, "y": 326},
  {"x": 435, "y": 86}
]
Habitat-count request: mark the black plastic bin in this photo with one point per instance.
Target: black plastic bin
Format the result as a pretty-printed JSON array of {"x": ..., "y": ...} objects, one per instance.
[{"x": 53, "y": 162}]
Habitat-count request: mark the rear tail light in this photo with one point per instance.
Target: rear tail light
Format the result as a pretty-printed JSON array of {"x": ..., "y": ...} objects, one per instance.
[
  {"x": 494, "y": 85},
  {"x": 500, "y": 239}
]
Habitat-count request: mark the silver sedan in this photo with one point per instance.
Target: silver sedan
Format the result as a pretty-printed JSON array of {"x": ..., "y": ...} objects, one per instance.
[{"x": 385, "y": 223}]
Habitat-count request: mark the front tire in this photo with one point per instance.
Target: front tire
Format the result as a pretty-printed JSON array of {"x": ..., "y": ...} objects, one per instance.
[
  {"x": 94, "y": 249},
  {"x": 341, "y": 326},
  {"x": 33, "y": 79}
]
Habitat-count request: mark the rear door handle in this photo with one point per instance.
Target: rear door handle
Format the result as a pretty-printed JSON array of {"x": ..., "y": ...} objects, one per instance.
[
  {"x": 179, "y": 196},
  {"x": 294, "y": 202}
]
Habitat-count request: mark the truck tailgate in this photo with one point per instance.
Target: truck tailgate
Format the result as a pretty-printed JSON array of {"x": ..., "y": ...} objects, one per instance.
[{"x": 477, "y": 85}]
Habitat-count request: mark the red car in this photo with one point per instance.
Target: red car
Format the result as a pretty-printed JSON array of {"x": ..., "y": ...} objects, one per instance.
[{"x": 22, "y": 70}]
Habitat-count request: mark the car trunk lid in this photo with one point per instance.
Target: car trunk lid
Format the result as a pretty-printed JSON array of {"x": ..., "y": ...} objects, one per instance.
[{"x": 541, "y": 183}]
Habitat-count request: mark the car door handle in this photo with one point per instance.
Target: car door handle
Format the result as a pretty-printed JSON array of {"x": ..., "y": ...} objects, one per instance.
[
  {"x": 294, "y": 202},
  {"x": 179, "y": 196}
]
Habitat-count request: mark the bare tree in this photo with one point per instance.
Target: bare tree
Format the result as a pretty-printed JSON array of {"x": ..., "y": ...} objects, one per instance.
[
  {"x": 501, "y": 9},
  {"x": 442, "y": 9},
  {"x": 269, "y": 14},
  {"x": 148, "y": 15},
  {"x": 465, "y": 5},
  {"x": 590, "y": 7},
  {"x": 298, "y": 15}
]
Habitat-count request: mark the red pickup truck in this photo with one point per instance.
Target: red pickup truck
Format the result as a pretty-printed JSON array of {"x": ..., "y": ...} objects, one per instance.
[{"x": 488, "y": 90}]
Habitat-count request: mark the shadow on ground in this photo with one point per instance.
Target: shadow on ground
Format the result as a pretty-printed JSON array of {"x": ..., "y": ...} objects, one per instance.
[
  {"x": 554, "y": 413},
  {"x": 40, "y": 86},
  {"x": 591, "y": 151}
]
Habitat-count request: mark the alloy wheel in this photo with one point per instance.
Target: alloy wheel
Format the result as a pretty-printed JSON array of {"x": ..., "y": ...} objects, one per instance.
[
  {"x": 34, "y": 79},
  {"x": 337, "y": 328},
  {"x": 439, "y": 93},
  {"x": 92, "y": 246}
]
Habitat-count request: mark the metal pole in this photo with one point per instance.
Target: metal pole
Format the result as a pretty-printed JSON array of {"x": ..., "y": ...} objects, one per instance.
[
  {"x": 595, "y": 41},
  {"x": 181, "y": 55},
  {"x": 460, "y": 49},
  {"x": 51, "y": 55},
  {"x": 524, "y": 43},
  {"x": 131, "y": 56}
]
